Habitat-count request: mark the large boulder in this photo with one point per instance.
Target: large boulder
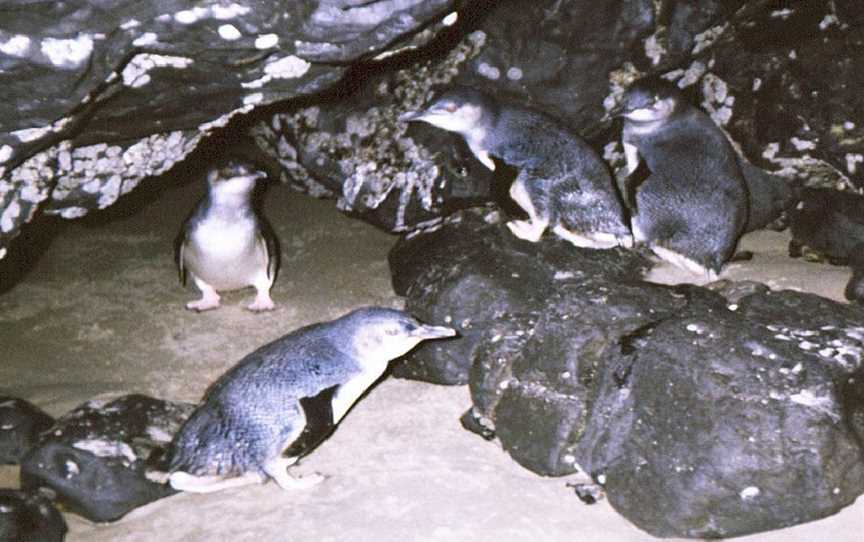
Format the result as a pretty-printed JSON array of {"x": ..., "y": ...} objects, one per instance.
[
  {"x": 730, "y": 422},
  {"x": 704, "y": 412},
  {"x": 96, "y": 458},
  {"x": 472, "y": 272}
]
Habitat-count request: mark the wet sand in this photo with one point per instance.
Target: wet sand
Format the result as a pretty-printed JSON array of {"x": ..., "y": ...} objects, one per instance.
[{"x": 101, "y": 312}]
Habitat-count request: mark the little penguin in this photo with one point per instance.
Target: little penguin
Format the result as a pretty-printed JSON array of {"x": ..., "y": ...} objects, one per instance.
[
  {"x": 224, "y": 244},
  {"x": 562, "y": 183},
  {"x": 693, "y": 206},
  {"x": 282, "y": 400}
]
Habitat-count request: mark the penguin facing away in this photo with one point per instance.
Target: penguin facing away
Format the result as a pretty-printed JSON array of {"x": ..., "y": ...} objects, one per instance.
[
  {"x": 279, "y": 402},
  {"x": 224, "y": 245},
  {"x": 693, "y": 207},
  {"x": 562, "y": 183}
]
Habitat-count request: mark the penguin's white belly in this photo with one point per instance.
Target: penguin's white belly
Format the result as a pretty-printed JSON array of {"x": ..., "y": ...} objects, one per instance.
[{"x": 226, "y": 257}]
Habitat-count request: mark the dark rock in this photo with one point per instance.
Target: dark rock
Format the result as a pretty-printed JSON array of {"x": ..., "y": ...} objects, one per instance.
[
  {"x": 791, "y": 74},
  {"x": 27, "y": 516},
  {"x": 855, "y": 286},
  {"x": 734, "y": 422},
  {"x": 20, "y": 425},
  {"x": 587, "y": 493},
  {"x": 770, "y": 198},
  {"x": 828, "y": 224},
  {"x": 95, "y": 458},
  {"x": 472, "y": 272},
  {"x": 703, "y": 412}
]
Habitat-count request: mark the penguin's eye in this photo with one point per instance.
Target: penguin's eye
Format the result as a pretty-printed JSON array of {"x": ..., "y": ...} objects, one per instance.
[{"x": 450, "y": 107}]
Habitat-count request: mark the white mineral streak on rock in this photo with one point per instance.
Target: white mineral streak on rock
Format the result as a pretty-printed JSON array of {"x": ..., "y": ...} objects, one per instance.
[
  {"x": 288, "y": 67},
  {"x": 106, "y": 448},
  {"x": 654, "y": 49},
  {"x": 229, "y": 32},
  {"x": 228, "y": 12},
  {"x": 253, "y": 99},
  {"x": 7, "y": 219},
  {"x": 31, "y": 134},
  {"x": 821, "y": 403},
  {"x": 135, "y": 73},
  {"x": 131, "y": 23},
  {"x": 17, "y": 45},
  {"x": 266, "y": 41},
  {"x": 750, "y": 492},
  {"x": 68, "y": 53},
  {"x": 145, "y": 39},
  {"x": 707, "y": 38}
]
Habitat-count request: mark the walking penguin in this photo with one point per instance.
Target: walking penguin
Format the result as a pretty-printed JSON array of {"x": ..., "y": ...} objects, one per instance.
[{"x": 279, "y": 402}]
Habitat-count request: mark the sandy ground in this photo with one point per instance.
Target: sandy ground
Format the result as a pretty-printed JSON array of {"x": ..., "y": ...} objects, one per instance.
[{"x": 101, "y": 311}]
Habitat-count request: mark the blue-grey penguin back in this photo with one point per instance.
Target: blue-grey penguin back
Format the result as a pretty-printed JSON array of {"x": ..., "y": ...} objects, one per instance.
[
  {"x": 284, "y": 391},
  {"x": 566, "y": 177},
  {"x": 250, "y": 410}
]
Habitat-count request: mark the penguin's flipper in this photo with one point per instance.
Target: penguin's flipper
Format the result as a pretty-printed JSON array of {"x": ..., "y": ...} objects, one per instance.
[
  {"x": 179, "y": 248},
  {"x": 320, "y": 423},
  {"x": 267, "y": 235}
]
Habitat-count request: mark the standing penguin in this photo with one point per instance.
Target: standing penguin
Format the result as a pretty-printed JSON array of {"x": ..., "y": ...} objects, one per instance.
[
  {"x": 562, "y": 183},
  {"x": 693, "y": 207},
  {"x": 282, "y": 400},
  {"x": 224, "y": 245}
]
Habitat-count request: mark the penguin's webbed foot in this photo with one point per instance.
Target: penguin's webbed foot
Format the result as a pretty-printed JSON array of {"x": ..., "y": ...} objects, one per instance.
[
  {"x": 203, "y": 304},
  {"x": 525, "y": 230},
  {"x": 262, "y": 303},
  {"x": 278, "y": 470}
]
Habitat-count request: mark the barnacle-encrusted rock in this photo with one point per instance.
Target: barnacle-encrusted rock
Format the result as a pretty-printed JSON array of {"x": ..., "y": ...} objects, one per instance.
[
  {"x": 378, "y": 168},
  {"x": 99, "y": 95}
]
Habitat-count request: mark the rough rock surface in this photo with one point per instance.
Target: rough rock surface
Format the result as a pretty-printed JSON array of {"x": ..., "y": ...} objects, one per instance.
[
  {"x": 29, "y": 516},
  {"x": 95, "y": 458},
  {"x": 125, "y": 92},
  {"x": 830, "y": 224},
  {"x": 103, "y": 94},
  {"x": 701, "y": 411},
  {"x": 489, "y": 273},
  {"x": 734, "y": 422},
  {"x": 20, "y": 425}
]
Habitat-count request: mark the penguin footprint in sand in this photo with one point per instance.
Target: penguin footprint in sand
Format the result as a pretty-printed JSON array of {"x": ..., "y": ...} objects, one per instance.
[
  {"x": 281, "y": 401},
  {"x": 224, "y": 245},
  {"x": 562, "y": 183}
]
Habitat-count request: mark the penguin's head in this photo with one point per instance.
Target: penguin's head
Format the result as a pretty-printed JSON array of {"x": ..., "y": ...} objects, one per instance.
[
  {"x": 456, "y": 109},
  {"x": 650, "y": 99},
  {"x": 384, "y": 334},
  {"x": 233, "y": 177}
]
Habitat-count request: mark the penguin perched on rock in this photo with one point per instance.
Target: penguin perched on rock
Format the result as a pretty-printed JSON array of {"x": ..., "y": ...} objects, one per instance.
[
  {"x": 282, "y": 400},
  {"x": 693, "y": 206},
  {"x": 562, "y": 183},
  {"x": 224, "y": 244}
]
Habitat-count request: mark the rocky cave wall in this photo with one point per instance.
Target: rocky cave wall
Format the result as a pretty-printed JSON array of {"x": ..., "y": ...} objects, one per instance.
[{"x": 101, "y": 95}]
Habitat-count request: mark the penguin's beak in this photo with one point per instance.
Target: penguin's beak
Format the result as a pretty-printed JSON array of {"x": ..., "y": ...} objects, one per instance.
[
  {"x": 433, "y": 332},
  {"x": 411, "y": 115}
]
